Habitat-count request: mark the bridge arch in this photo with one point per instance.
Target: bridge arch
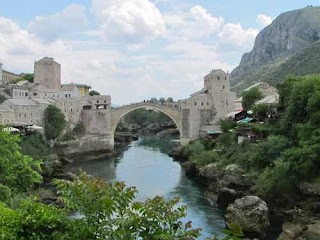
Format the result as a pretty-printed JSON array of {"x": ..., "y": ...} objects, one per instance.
[{"x": 172, "y": 112}]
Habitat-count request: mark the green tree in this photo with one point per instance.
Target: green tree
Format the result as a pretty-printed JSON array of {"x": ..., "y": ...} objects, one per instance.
[
  {"x": 18, "y": 172},
  {"x": 170, "y": 99},
  {"x": 162, "y": 100},
  {"x": 54, "y": 122},
  {"x": 109, "y": 211},
  {"x": 260, "y": 111},
  {"x": 250, "y": 97},
  {"x": 154, "y": 100},
  {"x": 94, "y": 93}
]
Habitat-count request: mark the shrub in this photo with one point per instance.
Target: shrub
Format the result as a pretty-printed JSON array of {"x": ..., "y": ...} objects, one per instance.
[
  {"x": 276, "y": 180},
  {"x": 260, "y": 111},
  {"x": 192, "y": 149},
  {"x": 205, "y": 158},
  {"x": 227, "y": 125}
]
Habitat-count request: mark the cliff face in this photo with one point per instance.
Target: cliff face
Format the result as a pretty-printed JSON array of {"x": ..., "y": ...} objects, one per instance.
[{"x": 290, "y": 33}]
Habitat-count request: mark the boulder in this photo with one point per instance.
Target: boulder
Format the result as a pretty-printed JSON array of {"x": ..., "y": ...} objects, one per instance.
[
  {"x": 227, "y": 196},
  {"x": 290, "y": 231},
  {"x": 234, "y": 177},
  {"x": 251, "y": 214},
  {"x": 210, "y": 172},
  {"x": 190, "y": 169},
  {"x": 310, "y": 188}
]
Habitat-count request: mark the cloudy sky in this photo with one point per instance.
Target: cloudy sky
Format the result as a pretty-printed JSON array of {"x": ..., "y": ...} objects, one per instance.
[{"x": 135, "y": 49}]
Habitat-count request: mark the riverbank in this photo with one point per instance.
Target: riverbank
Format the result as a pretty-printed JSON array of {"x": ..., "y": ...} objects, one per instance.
[{"x": 290, "y": 217}]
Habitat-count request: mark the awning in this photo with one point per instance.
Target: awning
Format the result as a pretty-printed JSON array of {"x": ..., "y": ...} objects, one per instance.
[
  {"x": 34, "y": 127},
  {"x": 11, "y": 129},
  {"x": 233, "y": 114},
  {"x": 245, "y": 120},
  {"x": 214, "y": 132}
]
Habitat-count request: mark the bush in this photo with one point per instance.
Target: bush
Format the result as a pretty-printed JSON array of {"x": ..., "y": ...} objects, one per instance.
[
  {"x": 192, "y": 149},
  {"x": 35, "y": 146},
  {"x": 275, "y": 181},
  {"x": 205, "y": 158},
  {"x": 227, "y": 125},
  {"x": 260, "y": 111}
]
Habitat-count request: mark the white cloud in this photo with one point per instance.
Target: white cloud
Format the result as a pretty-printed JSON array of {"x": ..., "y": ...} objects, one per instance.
[
  {"x": 130, "y": 21},
  {"x": 197, "y": 24},
  {"x": 264, "y": 20},
  {"x": 52, "y": 27},
  {"x": 235, "y": 36}
]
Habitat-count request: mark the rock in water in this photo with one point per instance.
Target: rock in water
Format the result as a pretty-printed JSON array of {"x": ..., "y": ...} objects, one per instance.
[
  {"x": 251, "y": 214},
  {"x": 227, "y": 196}
]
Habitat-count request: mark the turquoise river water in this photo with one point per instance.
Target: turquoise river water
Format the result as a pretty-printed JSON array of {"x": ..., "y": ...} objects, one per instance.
[{"x": 146, "y": 165}]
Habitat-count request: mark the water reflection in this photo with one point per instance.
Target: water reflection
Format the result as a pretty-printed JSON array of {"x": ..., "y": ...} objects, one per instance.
[{"x": 146, "y": 166}]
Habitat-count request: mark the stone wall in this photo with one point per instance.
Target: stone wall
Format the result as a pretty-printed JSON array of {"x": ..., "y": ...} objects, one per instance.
[{"x": 89, "y": 144}]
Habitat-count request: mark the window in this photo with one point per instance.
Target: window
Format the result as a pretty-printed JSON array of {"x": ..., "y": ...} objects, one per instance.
[
  {"x": 195, "y": 103},
  {"x": 201, "y": 103},
  {"x": 97, "y": 101},
  {"x": 207, "y": 103},
  {"x": 66, "y": 95},
  {"x": 71, "y": 109},
  {"x": 26, "y": 94},
  {"x": 225, "y": 78},
  {"x": 218, "y": 78},
  {"x": 35, "y": 94},
  {"x": 223, "y": 87}
]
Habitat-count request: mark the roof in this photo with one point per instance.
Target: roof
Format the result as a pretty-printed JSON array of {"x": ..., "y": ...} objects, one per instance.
[
  {"x": 217, "y": 72},
  {"x": 43, "y": 101},
  {"x": 21, "y": 83},
  {"x": 5, "y": 109},
  {"x": 11, "y": 73},
  {"x": 198, "y": 92},
  {"x": 75, "y": 84},
  {"x": 21, "y": 102},
  {"x": 269, "y": 99}
]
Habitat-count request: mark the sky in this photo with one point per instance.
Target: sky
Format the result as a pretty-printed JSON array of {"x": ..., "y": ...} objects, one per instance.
[{"x": 135, "y": 49}]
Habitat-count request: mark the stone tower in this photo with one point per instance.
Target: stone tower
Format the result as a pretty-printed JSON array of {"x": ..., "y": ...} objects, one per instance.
[
  {"x": 217, "y": 84},
  {"x": 47, "y": 72}
]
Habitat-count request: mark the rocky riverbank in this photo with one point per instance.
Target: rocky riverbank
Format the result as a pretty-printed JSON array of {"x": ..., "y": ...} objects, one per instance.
[{"x": 234, "y": 189}]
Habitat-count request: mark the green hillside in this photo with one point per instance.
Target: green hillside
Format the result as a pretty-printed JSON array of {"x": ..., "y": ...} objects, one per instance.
[{"x": 306, "y": 61}]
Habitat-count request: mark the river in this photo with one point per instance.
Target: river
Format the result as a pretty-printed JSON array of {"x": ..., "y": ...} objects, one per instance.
[{"x": 146, "y": 165}]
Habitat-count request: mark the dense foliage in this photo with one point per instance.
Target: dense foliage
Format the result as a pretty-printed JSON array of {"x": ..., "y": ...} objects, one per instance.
[
  {"x": 26, "y": 77},
  {"x": 289, "y": 150},
  {"x": 18, "y": 172},
  {"x": 54, "y": 122},
  {"x": 76, "y": 132},
  {"x": 250, "y": 97}
]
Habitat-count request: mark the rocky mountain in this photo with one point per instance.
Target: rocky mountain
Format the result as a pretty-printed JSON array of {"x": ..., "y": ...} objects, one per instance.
[{"x": 290, "y": 45}]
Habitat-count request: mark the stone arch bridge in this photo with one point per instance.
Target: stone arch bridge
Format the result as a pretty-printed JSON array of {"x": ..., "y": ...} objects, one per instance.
[{"x": 103, "y": 122}]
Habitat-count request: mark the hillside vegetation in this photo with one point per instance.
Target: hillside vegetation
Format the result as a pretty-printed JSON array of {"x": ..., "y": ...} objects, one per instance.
[
  {"x": 302, "y": 63},
  {"x": 290, "y": 45}
]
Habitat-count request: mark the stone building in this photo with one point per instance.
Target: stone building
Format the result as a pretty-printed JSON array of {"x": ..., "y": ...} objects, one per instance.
[
  {"x": 207, "y": 106},
  {"x": 6, "y": 115},
  {"x": 269, "y": 93},
  {"x": 26, "y": 111},
  {"x": 47, "y": 72},
  {"x": 9, "y": 77},
  {"x": 83, "y": 89}
]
